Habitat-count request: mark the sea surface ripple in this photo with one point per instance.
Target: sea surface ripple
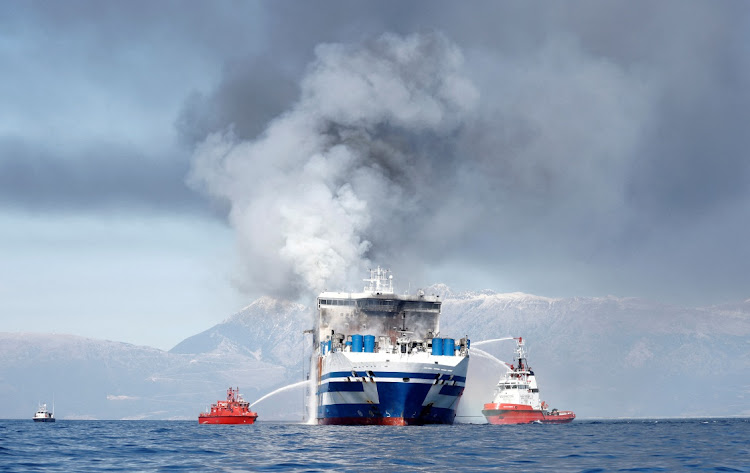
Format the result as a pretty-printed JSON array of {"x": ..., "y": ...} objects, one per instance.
[{"x": 584, "y": 445}]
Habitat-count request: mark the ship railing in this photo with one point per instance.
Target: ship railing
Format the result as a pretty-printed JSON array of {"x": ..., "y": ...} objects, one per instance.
[{"x": 403, "y": 345}]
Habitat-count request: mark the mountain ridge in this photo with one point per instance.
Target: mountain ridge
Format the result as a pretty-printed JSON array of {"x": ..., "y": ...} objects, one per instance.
[{"x": 595, "y": 355}]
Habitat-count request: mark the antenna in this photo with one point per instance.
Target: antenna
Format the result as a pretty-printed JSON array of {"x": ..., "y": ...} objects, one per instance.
[{"x": 380, "y": 281}]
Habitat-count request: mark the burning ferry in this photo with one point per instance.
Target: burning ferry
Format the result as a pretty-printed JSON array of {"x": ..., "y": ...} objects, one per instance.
[{"x": 380, "y": 360}]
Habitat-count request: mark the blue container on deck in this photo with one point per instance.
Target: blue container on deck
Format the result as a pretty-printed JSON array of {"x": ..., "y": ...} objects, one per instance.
[
  {"x": 437, "y": 346},
  {"x": 369, "y": 343},
  {"x": 330, "y": 344},
  {"x": 449, "y": 346},
  {"x": 357, "y": 343}
]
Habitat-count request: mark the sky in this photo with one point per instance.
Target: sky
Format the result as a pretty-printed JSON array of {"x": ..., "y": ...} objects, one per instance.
[{"x": 163, "y": 164}]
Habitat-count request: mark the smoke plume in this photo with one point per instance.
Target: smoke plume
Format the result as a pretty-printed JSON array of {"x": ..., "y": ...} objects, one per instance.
[
  {"x": 404, "y": 151},
  {"x": 323, "y": 187}
]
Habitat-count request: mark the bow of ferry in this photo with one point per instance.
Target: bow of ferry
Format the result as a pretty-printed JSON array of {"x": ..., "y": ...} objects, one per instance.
[{"x": 380, "y": 361}]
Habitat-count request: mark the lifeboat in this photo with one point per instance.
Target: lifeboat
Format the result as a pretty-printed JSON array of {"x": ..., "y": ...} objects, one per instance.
[{"x": 235, "y": 410}]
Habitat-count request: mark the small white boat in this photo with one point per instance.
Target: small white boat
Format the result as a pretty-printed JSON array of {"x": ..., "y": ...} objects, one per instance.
[{"x": 43, "y": 415}]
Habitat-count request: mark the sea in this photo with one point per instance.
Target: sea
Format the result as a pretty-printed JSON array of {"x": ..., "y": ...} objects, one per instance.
[{"x": 581, "y": 446}]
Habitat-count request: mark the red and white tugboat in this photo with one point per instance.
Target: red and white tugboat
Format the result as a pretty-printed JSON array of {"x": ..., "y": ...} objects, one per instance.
[
  {"x": 234, "y": 410},
  {"x": 516, "y": 399}
]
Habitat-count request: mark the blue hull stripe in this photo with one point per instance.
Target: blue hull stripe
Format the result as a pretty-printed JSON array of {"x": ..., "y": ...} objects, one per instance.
[
  {"x": 451, "y": 390},
  {"x": 391, "y": 374},
  {"x": 338, "y": 386},
  {"x": 395, "y": 400}
]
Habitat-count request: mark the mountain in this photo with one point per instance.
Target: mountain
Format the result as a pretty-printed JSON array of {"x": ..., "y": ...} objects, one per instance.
[
  {"x": 257, "y": 349},
  {"x": 274, "y": 327},
  {"x": 95, "y": 379},
  {"x": 613, "y": 357},
  {"x": 601, "y": 357}
]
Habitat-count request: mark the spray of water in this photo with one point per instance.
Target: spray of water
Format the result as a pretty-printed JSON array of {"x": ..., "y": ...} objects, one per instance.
[
  {"x": 349, "y": 158},
  {"x": 484, "y": 354},
  {"x": 312, "y": 401},
  {"x": 285, "y": 388},
  {"x": 484, "y": 342}
]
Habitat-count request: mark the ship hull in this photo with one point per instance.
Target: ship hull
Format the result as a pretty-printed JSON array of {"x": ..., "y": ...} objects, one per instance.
[
  {"x": 227, "y": 420},
  {"x": 503, "y": 414},
  {"x": 44, "y": 419},
  {"x": 425, "y": 390}
]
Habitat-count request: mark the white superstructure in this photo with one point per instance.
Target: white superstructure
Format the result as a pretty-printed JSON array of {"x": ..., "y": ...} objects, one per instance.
[
  {"x": 380, "y": 360},
  {"x": 518, "y": 386},
  {"x": 43, "y": 415}
]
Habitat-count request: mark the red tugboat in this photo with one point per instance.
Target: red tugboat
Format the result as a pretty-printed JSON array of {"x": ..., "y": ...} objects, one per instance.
[
  {"x": 234, "y": 410},
  {"x": 516, "y": 398}
]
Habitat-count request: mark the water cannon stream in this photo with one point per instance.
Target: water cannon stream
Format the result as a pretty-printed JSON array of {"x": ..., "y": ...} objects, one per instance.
[
  {"x": 284, "y": 388},
  {"x": 483, "y": 342},
  {"x": 484, "y": 354}
]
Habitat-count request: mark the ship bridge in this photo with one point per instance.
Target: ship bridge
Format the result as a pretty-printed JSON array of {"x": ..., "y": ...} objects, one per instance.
[{"x": 378, "y": 310}]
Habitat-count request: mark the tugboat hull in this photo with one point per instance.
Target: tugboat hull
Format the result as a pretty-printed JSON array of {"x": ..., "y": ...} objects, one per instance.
[
  {"x": 503, "y": 414},
  {"x": 227, "y": 420}
]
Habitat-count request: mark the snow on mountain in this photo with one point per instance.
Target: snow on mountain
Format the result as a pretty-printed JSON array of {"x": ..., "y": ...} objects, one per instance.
[
  {"x": 267, "y": 329},
  {"x": 98, "y": 379},
  {"x": 599, "y": 356},
  {"x": 611, "y": 356}
]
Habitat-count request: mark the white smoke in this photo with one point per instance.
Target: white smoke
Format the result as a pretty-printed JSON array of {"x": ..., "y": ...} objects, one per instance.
[
  {"x": 311, "y": 196},
  {"x": 389, "y": 156}
]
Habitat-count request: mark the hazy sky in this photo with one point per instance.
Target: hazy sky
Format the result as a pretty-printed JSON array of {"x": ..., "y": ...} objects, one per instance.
[{"x": 164, "y": 163}]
